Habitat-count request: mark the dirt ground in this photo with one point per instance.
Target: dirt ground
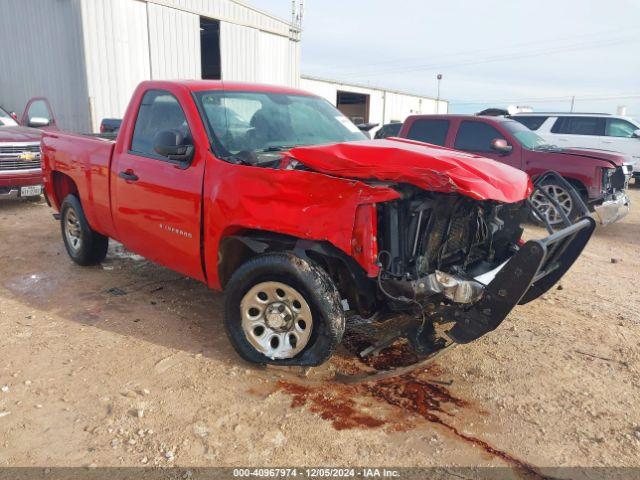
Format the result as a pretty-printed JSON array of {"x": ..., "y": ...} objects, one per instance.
[{"x": 144, "y": 375}]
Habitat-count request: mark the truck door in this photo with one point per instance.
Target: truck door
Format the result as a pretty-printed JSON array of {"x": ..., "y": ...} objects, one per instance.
[
  {"x": 477, "y": 137},
  {"x": 156, "y": 200}
]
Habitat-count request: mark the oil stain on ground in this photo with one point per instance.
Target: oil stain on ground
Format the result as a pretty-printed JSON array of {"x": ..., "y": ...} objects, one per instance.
[{"x": 349, "y": 407}]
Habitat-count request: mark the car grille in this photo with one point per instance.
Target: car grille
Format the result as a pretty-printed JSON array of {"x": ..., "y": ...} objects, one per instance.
[{"x": 19, "y": 157}]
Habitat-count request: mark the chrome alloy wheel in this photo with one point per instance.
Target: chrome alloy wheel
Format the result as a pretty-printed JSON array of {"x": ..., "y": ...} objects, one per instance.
[
  {"x": 276, "y": 320},
  {"x": 72, "y": 230},
  {"x": 544, "y": 206}
]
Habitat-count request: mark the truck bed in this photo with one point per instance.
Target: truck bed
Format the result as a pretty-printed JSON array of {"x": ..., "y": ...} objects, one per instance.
[{"x": 86, "y": 161}]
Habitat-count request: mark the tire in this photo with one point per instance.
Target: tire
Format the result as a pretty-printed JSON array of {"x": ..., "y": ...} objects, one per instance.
[
  {"x": 307, "y": 291},
  {"x": 562, "y": 196},
  {"x": 84, "y": 245}
]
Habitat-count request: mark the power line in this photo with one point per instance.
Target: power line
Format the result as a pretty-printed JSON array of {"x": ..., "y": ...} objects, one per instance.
[
  {"x": 495, "y": 49},
  {"x": 499, "y": 58}
]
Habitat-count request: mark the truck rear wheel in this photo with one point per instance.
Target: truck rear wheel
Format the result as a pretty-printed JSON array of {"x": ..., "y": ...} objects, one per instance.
[
  {"x": 281, "y": 309},
  {"x": 84, "y": 245}
]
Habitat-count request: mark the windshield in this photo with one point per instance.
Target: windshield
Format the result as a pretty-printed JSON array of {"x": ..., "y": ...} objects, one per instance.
[
  {"x": 258, "y": 123},
  {"x": 528, "y": 139},
  {"x": 6, "y": 120}
]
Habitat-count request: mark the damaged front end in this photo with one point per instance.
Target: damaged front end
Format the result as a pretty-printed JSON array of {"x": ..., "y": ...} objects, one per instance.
[
  {"x": 443, "y": 262},
  {"x": 458, "y": 266}
]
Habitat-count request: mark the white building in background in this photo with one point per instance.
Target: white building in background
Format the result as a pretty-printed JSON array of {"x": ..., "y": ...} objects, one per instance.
[
  {"x": 365, "y": 104},
  {"x": 87, "y": 56}
]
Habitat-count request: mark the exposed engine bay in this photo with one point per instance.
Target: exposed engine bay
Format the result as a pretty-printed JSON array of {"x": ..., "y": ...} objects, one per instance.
[
  {"x": 430, "y": 242},
  {"x": 436, "y": 250},
  {"x": 451, "y": 269}
]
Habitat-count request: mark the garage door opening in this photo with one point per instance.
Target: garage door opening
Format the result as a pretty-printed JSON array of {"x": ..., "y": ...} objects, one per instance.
[
  {"x": 210, "y": 48},
  {"x": 354, "y": 105}
]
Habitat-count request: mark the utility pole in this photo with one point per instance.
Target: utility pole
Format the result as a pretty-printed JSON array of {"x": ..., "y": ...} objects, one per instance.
[
  {"x": 439, "y": 77},
  {"x": 573, "y": 102},
  {"x": 297, "y": 15}
]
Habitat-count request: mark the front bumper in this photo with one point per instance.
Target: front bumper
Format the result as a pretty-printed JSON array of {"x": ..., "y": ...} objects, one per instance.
[
  {"x": 531, "y": 272},
  {"x": 12, "y": 181},
  {"x": 613, "y": 209}
]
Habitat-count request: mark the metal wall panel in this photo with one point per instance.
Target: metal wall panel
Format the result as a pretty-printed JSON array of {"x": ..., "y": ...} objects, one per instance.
[
  {"x": 116, "y": 54},
  {"x": 174, "y": 43},
  {"x": 232, "y": 11},
  {"x": 41, "y": 55},
  {"x": 251, "y": 55}
]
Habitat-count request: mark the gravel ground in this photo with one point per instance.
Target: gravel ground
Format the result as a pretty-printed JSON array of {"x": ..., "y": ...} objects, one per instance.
[{"x": 143, "y": 375}]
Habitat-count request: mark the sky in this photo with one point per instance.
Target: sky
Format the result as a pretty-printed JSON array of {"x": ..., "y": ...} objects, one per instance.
[{"x": 491, "y": 53}]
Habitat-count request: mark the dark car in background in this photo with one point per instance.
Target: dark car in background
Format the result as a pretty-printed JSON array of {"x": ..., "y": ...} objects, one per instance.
[
  {"x": 600, "y": 177},
  {"x": 389, "y": 130}
]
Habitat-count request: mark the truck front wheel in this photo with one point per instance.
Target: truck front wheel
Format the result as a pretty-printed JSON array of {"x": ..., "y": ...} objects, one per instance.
[
  {"x": 281, "y": 309},
  {"x": 84, "y": 245},
  {"x": 547, "y": 209}
]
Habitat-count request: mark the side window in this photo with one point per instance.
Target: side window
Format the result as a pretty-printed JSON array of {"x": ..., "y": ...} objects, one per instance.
[
  {"x": 616, "y": 127},
  {"x": 532, "y": 123},
  {"x": 579, "y": 126},
  {"x": 159, "y": 111},
  {"x": 476, "y": 136},
  {"x": 429, "y": 131}
]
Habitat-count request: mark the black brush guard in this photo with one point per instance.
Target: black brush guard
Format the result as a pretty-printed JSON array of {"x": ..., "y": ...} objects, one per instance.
[{"x": 531, "y": 272}]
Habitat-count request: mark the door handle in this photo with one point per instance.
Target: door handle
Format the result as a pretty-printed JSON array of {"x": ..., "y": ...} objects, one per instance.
[{"x": 128, "y": 175}]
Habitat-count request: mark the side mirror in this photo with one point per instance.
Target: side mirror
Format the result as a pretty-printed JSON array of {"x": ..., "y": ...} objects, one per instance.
[
  {"x": 172, "y": 144},
  {"x": 38, "y": 122},
  {"x": 637, "y": 133},
  {"x": 13, "y": 115},
  {"x": 500, "y": 145}
]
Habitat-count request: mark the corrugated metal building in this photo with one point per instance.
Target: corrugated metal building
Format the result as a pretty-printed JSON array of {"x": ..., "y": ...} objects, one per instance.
[
  {"x": 87, "y": 56},
  {"x": 365, "y": 104}
]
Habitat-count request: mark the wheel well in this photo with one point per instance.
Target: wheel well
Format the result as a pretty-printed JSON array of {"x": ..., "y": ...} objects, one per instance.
[
  {"x": 351, "y": 280},
  {"x": 63, "y": 185},
  {"x": 579, "y": 186}
]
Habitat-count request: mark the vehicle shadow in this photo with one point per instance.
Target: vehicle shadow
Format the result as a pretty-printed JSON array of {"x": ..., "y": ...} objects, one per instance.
[{"x": 126, "y": 295}]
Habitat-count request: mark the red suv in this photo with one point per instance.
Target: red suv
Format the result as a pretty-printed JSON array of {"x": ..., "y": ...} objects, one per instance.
[{"x": 600, "y": 177}]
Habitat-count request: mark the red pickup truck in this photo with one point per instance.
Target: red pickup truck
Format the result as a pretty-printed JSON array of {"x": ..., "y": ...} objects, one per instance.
[
  {"x": 274, "y": 196},
  {"x": 600, "y": 177},
  {"x": 20, "y": 173}
]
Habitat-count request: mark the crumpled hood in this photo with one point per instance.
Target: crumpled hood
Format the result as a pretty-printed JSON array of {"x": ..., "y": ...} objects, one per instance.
[
  {"x": 426, "y": 166},
  {"x": 19, "y": 134}
]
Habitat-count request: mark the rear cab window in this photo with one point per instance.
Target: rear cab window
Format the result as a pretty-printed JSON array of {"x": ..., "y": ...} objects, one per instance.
[
  {"x": 474, "y": 136},
  {"x": 159, "y": 111},
  {"x": 532, "y": 122},
  {"x": 579, "y": 125},
  {"x": 432, "y": 131}
]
